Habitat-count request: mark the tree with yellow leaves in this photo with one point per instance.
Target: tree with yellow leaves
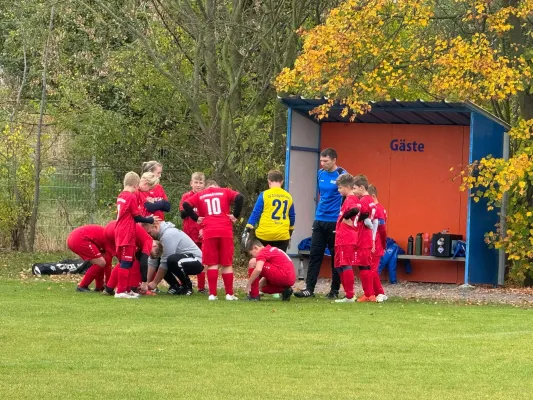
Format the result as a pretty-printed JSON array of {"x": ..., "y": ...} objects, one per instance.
[{"x": 480, "y": 50}]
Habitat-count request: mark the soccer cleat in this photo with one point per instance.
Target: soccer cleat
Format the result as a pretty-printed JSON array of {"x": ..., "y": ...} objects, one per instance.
[
  {"x": 332, "y": 295},
  {"x": 380, "y": 298},
  {"x": 286, "y": 294},
  {"x": 203, "y": 291},
  {"x": 304, "y": 293},
  {"x": 251, "y": 298},
  {"x": 231, "y": 297},
  {"x": 187, "y": 291},
  {"x": 82, "y": 289},
  {"x": 345, "y": 300},
  {"x": 125, "y": 295},
  {"x": 99, "y": 289},
  {"x": 364, "y": 299},
  {"x": 108, "y": 291},
  {"x": 133, "y": 294},
  {"x": 149, "y": 293},
  {"x": 212, "y": 297},
  {"x": 175, "y": 290}
]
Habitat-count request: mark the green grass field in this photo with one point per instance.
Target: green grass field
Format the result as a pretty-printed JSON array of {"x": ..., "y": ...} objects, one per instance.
[{"x": 59, "y": 344}]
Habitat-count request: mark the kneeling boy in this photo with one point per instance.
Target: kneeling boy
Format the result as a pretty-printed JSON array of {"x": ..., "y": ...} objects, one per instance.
[{"x": 275, "y": 269}]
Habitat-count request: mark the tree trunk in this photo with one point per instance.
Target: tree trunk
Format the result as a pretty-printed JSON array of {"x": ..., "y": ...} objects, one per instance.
[{"x": 38, "y": 161}]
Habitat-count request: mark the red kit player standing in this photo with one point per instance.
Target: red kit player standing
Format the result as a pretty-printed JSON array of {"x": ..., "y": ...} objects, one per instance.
[
  {"x": 128, "y": 214},
  {"x": 190, "y": 227},
  {"x": 365, "y": 242},
  {"x": 213, "y": 205}
]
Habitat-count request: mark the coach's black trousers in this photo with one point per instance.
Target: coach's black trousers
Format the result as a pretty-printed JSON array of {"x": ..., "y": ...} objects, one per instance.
[
  {"x": 323, "y": 236},
  {"x": 183, "y": 265}
]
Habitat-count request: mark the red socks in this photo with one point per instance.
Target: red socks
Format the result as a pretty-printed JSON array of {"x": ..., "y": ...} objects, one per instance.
[
  {"x": 348, "y": 282},
  {"x": 376, "y": 283},
  {"x": 254, "y": 291},
  {"x": 201, "y": 280},
  {"x": 212, "y": 281},
  {"x": 107, "y": 273},
  {"x": 99, "y": 281},
  {"x": 123, "y": 278},
  {"x": 228, "y": 282},
  {"x": 366, "y": 282},
  {"x": 90, "y": 276},
  {"x": 113, "y": 278}
]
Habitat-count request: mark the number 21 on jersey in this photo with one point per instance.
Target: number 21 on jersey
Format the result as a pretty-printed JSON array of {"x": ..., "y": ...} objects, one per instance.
[{"x": 277, "y": 204}]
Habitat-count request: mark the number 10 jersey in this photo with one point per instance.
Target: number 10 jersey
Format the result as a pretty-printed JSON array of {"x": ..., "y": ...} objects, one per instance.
[{"x": 214, "y": 204}]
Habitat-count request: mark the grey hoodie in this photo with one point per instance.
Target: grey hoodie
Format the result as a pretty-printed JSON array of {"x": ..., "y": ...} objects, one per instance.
[{"x": 174, "y": 241}]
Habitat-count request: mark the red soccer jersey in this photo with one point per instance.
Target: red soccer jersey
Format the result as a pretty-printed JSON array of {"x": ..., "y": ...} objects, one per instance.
[
  {"x": 157, "y": 193},
  {"x": 366, "y": 205},
  {"x": 277, "y": 258},
  {"x": 381, "y": 236},
  {"x": 381, "y": 213},
  {"x": 214, "y": 204},
  {"x": 127, "y": 209},
  {"x": 344, "y": 233},
  {"x": 143, "y": 241},
  {"x": 190, "y": 227}
]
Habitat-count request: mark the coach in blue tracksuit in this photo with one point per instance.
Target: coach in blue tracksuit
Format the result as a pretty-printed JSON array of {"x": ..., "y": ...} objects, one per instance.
[{"x": 326, "y": 215}]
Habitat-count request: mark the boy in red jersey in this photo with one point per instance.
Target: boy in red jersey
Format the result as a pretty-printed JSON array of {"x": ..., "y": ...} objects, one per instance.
[
  {"x": 190, "y": 227},
  {"x": 89, "y": 243},
  {"x": 274, "y": 267},
  {"x": 151, "y": 197},
  {"x": 346, "y": 237},
  {"x": 145, "y": 247},
  {"x": 128, "y": 214},
  {"x": 365, "y": 243},
  {"x": 213, "y": 205},
  {"x": 380, "y": 241}
]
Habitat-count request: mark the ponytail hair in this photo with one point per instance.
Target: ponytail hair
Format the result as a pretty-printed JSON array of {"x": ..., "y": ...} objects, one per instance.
[{"x": 148, "y": 166}]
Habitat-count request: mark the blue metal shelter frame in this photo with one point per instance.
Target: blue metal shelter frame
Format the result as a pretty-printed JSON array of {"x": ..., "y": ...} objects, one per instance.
[{"x": 488, "y": 135}]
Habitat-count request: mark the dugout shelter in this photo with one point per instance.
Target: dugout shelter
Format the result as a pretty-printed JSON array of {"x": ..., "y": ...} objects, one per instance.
[{"x": 406, "y": 149}]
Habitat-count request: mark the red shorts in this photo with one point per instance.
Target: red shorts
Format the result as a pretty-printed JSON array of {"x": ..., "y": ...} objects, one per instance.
[
  {"x": 199, "y": 244},
  {"x": 126, "y": 253},
  {"x": 217, "y": 251},
  {"x": 277, "y": 276},
  {"x": 83, "y": 247},
  {"x": 363, "y": 257},
  {"x": 345, "y": 255}
]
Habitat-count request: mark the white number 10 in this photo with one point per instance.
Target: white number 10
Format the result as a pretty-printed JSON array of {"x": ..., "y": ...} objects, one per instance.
[{"x": 213, "y": 206}]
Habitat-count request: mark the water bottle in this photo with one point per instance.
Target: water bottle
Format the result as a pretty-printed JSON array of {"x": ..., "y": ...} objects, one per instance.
[
  {"x": 410, "y": 246},
  {"x": 418, "y": 244},
  {"x": 425, "y": 245}
]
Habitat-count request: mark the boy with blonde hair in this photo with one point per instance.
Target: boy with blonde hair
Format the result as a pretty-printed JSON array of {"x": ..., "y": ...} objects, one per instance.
[{"x": 128, "y": 214}]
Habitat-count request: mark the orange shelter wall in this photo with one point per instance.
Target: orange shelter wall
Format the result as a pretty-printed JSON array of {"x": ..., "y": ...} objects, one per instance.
[{"x": 415, "y": 187}]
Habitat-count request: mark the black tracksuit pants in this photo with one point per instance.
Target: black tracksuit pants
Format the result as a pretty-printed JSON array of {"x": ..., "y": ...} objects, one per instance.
[
  {"x": 181, "y": 266},
  {"x": 323, "y": 236}
]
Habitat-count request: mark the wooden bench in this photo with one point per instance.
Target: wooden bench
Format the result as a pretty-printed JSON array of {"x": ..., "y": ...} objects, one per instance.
[
  {"x": 429, "y": 258},
  {"x": 302, "y": 254}
]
